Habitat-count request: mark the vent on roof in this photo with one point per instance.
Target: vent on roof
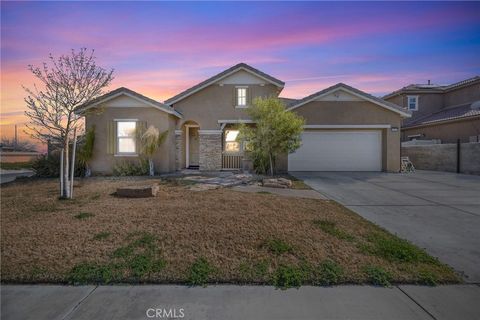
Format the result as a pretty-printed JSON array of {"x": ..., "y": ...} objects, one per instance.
[{"x": 475, "y": 105}]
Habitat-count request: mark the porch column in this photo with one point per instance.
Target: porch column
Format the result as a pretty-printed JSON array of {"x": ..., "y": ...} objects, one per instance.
[
  {"x": 210, "y": 150},
  {"x": 178, "y": 149}
]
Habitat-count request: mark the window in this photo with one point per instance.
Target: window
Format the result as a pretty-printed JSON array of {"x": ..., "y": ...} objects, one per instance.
[
  {"x": 412, "y": 103},
  {"x": 231, "y": 143},
  {"x": 241, "y": 97},
  {"x": 126, "y": 140}
]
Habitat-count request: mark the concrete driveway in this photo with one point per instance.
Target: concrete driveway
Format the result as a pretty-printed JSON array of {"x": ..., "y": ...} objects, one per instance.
[{"x": 437, "y": 211}]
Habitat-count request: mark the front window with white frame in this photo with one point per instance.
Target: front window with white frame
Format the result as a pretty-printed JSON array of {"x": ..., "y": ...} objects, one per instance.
[
  {"x": 241, "y": 96},
  {"x": 412, "y": 103},
  {"x": 126, "y": 139}
]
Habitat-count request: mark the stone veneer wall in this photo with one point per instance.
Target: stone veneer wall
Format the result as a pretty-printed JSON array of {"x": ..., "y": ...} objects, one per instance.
[
  {"x": 210, "y": 150},
  {"x": 178, "y": 149}
]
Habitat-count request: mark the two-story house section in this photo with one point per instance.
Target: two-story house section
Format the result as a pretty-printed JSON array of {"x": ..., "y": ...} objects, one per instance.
[{"x": 445, "y": 112}]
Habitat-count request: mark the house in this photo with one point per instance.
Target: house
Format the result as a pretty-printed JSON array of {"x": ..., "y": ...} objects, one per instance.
[
  {"x": 346, "y": 129},
  {"x": 447, "y": 113}
]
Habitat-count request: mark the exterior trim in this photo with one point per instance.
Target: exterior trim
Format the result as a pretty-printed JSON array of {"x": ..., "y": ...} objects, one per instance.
[
  {"x": 210, "y": 131},
  {"x": 236, "y": 121},
  {"x": 347, "y": 126},
  {"x": 440, "y": 122},
  {"x": 343, "y": 87},
  {"x": 123, "y": 91}
]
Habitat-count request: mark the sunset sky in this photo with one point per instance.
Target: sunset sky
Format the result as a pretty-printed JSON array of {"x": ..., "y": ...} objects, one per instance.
[{"x": 161, "y": 48}]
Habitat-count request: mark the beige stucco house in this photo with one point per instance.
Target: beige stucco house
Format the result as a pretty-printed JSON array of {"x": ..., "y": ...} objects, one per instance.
[
  {"x": 346, "y": 129},
  {"x": 444, "y": 112}
]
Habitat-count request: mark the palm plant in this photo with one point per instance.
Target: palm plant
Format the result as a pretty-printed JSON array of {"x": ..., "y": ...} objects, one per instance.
[
  {"x": 151, "y": 141},
  {"x": 85, "y": 153}
]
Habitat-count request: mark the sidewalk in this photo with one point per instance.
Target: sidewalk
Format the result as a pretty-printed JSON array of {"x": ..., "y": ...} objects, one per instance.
[
  {"x": 238, "y": 302},
  {"x": 10, "y": 175}
]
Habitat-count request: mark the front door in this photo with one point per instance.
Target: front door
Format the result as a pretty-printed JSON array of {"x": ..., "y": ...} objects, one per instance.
[{"x": 192, "y": 147}]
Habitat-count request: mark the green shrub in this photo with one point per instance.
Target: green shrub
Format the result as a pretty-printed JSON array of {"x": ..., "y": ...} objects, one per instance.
[
  {"x": 131, "y": 168},
  {"x": 286, "y": 276},
  {"x": 254, "y": 271},
  {"x": 200, "y": 272},
  {"x": 378, "y": 276},
  {"x": 278, "y": 246},
  {"x": 49, "y": 166},
  {"x": 330, "y": 273}
]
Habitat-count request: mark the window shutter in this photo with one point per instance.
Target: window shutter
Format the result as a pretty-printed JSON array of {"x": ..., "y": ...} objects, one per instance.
[
  {"x": 141, "y": 128},
  {"x": 111, "y": 137},
  {"x": 235, "y": 96},
  {"x": 250, "y": 95}
]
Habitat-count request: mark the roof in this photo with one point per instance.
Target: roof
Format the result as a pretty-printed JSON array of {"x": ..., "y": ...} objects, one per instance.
[
  {"x": 388, "y": 105},
  {"x": 135, "y": 95},
  {"x": 221, "y": 75},
  {"x": 448, "y": 114},
  {"x": 433, "y": 88},
  {"x": 288, "y": 101}
]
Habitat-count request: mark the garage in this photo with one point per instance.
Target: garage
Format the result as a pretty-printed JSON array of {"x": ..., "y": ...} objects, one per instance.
[{"x": 341, "y": 150}]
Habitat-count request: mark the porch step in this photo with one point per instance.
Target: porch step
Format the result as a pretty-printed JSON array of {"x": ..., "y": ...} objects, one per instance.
[{"x": 193, "y": 167}]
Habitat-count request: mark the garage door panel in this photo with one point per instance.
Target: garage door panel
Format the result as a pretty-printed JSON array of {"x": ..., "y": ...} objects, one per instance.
[{"x": 338, "y": 151}]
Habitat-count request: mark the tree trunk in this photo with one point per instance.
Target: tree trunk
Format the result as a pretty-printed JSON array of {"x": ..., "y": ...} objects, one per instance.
[
  {"x": 66, "y": 171},
  {"x": 271, "y": 163},
  {"x": 150, "y": 167}
]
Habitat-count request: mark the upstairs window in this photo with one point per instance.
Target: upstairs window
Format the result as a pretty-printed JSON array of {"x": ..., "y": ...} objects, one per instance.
[
  {"x": 412, "y": 103},
  {"x": 241, "y": 96},
  {"x": 126, "y": 140}
]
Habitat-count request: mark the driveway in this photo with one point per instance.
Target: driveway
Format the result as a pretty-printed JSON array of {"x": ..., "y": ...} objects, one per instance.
[{"x": 437, "y": 211}]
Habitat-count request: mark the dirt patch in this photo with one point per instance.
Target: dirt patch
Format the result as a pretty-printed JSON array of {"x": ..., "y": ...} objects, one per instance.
[{"x": 43, "y": 239}]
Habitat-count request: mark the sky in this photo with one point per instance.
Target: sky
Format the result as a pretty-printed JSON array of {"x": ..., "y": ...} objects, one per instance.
[{"x": 162, "y": 48}]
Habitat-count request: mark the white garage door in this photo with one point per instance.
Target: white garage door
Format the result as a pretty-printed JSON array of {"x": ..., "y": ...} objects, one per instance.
[{"x": 338, "y": 151}]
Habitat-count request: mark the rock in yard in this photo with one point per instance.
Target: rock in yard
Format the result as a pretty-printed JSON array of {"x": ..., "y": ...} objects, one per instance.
[
  {"x": 277, "y": 183},
  {"x": 138, "y": 191},
  {"x": 204, "y": 187}
]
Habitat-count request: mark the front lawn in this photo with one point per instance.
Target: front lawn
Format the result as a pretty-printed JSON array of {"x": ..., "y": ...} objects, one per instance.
[{"x": 182, "y": 236}]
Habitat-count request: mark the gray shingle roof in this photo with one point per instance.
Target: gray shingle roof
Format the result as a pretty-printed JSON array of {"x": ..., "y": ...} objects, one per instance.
[
  {"x": 115, "y": 92},
  {"x": 359, "y": 92},
  {"x": 460, "y": 112},
  {"x": 432, "y": 87},
  {"x": 218, "y": 76}
]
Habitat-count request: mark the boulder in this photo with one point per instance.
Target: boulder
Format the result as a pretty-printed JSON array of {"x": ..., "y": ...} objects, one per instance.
[
  {"x": 138, "y": 191},
  {"x": 277, "y": 183}
]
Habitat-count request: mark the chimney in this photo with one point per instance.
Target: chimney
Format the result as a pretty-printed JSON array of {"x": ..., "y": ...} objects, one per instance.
[{"x": 428, "y": 82}]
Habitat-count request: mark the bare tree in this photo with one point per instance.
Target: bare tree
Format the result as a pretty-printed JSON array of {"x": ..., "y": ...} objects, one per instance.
[{"x": 67, "y": 82}]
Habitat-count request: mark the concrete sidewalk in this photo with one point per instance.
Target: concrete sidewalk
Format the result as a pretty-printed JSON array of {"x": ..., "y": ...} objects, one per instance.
[
  {"x": 10, "y": 175},
  {"x": 238, "y": 302}
]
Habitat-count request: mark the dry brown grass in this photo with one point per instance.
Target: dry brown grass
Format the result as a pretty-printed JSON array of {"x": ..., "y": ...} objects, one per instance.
[{"x": 42, "y": 240}]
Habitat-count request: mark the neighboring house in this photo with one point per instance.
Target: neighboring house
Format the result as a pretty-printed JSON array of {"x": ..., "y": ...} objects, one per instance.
[
  {"x": 346, "y": 129},
  {"x": 440, "y": 112}
]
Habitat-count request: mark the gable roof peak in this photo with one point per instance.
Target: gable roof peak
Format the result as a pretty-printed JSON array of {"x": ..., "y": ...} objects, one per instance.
[
  {"x": 359, "y": 93},
  {"x": 242, "y": 65}
]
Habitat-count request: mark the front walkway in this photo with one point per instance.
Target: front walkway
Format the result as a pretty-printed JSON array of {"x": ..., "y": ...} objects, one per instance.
[
  {"x": 239, "y": 302},
  {"x": 438, "y": 211}
]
